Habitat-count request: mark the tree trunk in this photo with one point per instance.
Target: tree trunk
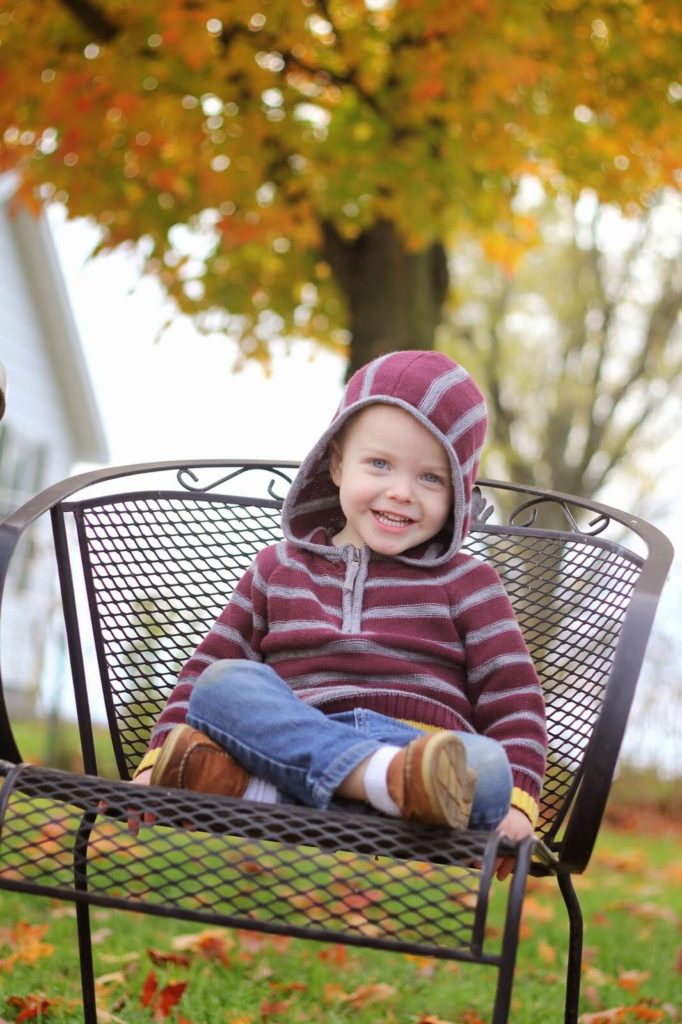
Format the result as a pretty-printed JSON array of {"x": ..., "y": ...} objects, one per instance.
[{"x": 394, "y": 295}]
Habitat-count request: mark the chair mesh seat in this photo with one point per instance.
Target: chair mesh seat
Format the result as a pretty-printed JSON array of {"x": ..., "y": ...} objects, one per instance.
[{"x": 208, "y": 858}]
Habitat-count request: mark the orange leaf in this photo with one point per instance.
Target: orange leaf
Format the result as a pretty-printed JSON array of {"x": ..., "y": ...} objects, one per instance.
[
  {"x": 645, "y": 1012},
  {"x": 272, "y": 1009},
  {"x": 26, "y": 943},
  {"x": 536, "y": 911},
  {"x": 612, "y": 1016},
  {"x": 338, "y": 955},
  {"x": 546, "y": 952},
  {"x": 631, "y": 980}
]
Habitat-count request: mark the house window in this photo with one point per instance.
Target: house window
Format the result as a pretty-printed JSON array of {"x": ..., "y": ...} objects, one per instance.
[
  {"x": 22, "y": 466},
  {"x": 22, "y": 471}
]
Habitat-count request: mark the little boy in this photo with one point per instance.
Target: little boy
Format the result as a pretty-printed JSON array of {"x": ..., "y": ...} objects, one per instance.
[{"x": 366, "y": 656}]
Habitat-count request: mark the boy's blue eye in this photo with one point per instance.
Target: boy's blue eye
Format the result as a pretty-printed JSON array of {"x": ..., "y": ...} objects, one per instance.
[
  {"x": 433, "y": 478},
  {"x": 379, "y": 463}
]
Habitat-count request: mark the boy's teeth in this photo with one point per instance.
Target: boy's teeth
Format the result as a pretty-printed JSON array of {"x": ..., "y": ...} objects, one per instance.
[{"x": 392, "y": 519}]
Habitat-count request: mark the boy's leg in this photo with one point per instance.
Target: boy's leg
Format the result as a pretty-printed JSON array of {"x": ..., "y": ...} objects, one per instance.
[
  {"x": 243, "y": 711},
  {"x": 493, "y": 791},
  {"x": 484, "y": 756},
  {"x": 247, "y": 709}
]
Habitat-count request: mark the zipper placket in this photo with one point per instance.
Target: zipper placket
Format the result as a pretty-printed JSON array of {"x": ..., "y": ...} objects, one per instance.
[{"x": 353, "y": 586}]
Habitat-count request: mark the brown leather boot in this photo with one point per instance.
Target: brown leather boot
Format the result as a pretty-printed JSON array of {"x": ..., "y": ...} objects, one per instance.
[
  {"x": 430, "y": 782},
  {"x": 190, "y": 760}
]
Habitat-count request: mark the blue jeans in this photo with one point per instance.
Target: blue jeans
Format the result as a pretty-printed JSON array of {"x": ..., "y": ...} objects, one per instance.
[{"x": 254, "y": 715}]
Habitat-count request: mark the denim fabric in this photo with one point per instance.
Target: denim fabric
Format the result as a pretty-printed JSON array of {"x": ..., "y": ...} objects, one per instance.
[{"x": 251, "y": 712}]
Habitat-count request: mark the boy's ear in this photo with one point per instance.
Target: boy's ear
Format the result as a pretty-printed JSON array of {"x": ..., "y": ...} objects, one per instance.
[{"x": 335, "y": 462}]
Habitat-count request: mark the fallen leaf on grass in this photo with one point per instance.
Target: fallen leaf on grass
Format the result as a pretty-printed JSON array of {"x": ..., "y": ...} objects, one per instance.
[
  {"x": 37, "y": 1005},
  {"x": 255, "y": 941},
  {"x": 30, "y": 1007},
  {"x": 646, "y": 910},
  {"x": 535, "y": 911},
  {"x": 546, "y": 952},
  {"x": 471, "y": 1017},
  {"x": 212, "y": 944},
  {"x": 159, "y": 957},
  {"x": 110, "y": 838},
  {"x": 26, "y": 941},
  {"x": 425, "y": 966},
  {"x": 337, "y": 955},
  {"x": 113, "y": 978},
  {"x": 360, "y": 997},
  {"x": 161, "y": 1000},
  {"x": 274, "y": 1008},
  {"x": 430, "y": 1019},
  {"x": 631, "y": 980},
  {"x": 622, "y": 1014},
  {"x": 612, "y": 1016},
  {"x": 595, "y": 976},
  {"x": 634, "y": 860},
  {"x": 288, "y": 986}
]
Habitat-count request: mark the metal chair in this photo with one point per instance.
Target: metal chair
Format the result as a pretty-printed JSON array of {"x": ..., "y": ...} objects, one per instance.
[{"x": 146, "y": 557}]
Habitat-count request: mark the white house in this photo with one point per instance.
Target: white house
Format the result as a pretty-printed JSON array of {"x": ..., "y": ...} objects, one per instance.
[{"x": 51, "y": 422}]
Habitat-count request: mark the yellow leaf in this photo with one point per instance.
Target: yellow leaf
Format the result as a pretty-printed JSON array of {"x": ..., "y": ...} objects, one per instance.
[{"x": 546, "y": 952}]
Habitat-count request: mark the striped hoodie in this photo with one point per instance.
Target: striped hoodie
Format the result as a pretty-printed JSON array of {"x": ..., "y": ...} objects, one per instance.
[{"x": 428, "y": 636}]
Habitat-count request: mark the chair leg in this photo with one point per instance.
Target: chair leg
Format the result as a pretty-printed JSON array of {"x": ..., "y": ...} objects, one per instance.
[
  {"x": 510, "y": 940},
  {"x": 87, "y": 967},
  {"x": 575, "y": 948},
  {"x": 86, "y": 963}
]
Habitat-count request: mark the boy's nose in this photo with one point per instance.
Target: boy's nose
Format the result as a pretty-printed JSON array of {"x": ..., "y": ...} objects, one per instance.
[{"x": 399, "y": 489}]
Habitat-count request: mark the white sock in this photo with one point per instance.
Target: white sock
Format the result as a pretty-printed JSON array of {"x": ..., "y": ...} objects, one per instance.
[
  {"x": 261, "y": 791},
  {"x": 376, "y": 782}
]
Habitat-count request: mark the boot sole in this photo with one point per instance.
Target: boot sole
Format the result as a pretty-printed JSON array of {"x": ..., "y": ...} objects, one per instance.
[{"x": 448, "y": 781}]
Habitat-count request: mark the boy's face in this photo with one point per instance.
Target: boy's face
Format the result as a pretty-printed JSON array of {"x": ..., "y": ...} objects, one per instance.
[{"x": 394, "y": 481}]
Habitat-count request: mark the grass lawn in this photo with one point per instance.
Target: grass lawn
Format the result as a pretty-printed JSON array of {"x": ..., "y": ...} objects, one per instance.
[{"x": 153, "y": 969}]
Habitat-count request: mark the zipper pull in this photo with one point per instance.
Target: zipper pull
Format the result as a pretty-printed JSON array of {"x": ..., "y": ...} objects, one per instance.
[{"x": 352, "y": 570}]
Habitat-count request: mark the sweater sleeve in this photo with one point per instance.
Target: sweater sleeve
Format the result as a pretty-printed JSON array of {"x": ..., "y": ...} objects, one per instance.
[
  {"x": 503, "y": 686},
  {"x": 236, "y": 633}
]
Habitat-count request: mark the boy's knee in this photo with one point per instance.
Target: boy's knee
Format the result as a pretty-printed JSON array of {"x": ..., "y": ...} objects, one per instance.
[
  {"x": 492, "y": 761},
  {"x": 224, "y": 671},
  {"x": 218, "y": 672},
  {"x": 239, "y": 676}
]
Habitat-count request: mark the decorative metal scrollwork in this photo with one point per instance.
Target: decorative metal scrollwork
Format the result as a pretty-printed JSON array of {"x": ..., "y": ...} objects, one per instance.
[
  {"x": 531, "y": 507},
  {"x": 528, "y": 513},
  {"x": 188, "y": 479},
  {"x": 481, "y": 510}
]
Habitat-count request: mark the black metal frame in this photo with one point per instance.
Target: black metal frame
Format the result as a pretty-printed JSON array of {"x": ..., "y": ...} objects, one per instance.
[{"x": 565, "y": 842}]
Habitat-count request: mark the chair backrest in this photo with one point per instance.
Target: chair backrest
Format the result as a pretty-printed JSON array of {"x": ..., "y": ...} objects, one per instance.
[{"x": 157, "y": 564}]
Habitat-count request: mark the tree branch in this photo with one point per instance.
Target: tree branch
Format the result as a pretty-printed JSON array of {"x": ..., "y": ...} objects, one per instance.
[{"x": 101, "y": 27}]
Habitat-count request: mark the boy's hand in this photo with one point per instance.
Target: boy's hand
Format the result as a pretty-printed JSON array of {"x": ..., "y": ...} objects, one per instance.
[
  {"x": 143, "y": 779},
  {"x": 515, "y": 825}
]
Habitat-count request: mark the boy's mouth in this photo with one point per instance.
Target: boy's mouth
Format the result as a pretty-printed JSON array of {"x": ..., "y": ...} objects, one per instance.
[{"x": 391, "y": 519}]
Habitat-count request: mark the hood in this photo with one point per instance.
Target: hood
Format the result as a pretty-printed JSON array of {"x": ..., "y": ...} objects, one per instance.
[{"x": 444, "y": 398}]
